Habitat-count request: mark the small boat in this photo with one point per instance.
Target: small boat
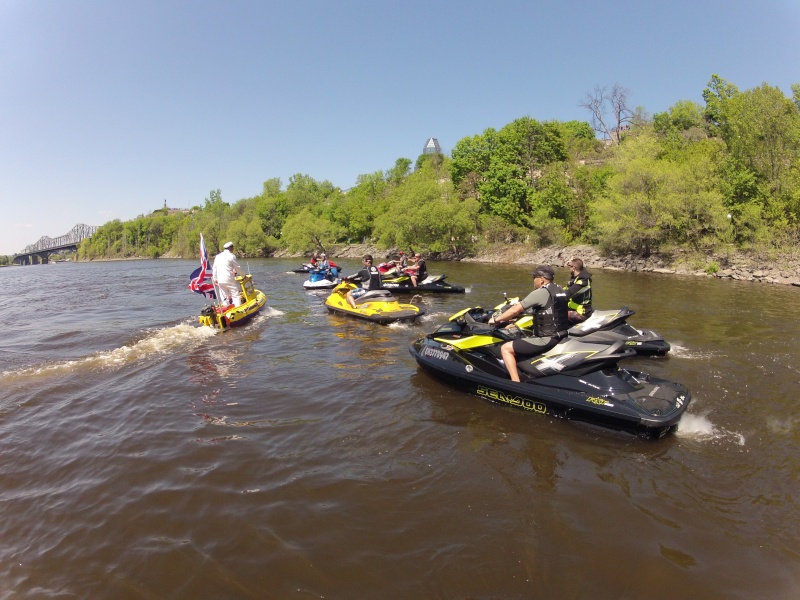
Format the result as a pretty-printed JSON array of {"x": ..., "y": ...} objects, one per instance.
[
  {"x": 378, "y": 306},
  {"x": 222, "y": 317}
]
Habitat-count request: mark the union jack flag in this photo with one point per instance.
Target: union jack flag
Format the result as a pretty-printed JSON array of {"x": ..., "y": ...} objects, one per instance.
[{"x": 201, "y": 278}]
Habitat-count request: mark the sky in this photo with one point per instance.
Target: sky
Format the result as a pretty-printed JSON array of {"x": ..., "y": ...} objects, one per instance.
[{"x": 110, "y": 108}]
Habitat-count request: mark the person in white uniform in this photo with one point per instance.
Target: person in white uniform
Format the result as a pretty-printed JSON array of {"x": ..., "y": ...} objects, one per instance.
[{"x": 224, "y": 273}]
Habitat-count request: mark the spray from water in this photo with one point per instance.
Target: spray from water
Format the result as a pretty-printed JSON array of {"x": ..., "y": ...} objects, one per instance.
[{"x": 161, "y": 341}]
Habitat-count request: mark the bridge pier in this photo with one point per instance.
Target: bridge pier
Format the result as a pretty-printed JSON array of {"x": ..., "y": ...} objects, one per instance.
[
  {"x": 29, "y": 259},
  {"x": 38, "y": 258}
]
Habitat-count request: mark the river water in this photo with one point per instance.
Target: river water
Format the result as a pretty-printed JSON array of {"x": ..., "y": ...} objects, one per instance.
[{"x": 306, "y": 456}]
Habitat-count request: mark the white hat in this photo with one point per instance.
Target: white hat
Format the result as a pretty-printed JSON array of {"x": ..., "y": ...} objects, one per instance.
[{"x": 228, "y": 245}]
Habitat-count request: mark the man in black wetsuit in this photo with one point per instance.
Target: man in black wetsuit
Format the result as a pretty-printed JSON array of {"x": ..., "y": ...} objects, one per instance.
[
  {"x": 370, "y": 278},
  {"x": 579, "y": 291}
]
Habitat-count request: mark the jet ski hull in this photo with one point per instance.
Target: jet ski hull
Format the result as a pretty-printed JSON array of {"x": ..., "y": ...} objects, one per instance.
[
  {"x": 431, "y": 288},
  {"x": 433, "y": 284},
  {"x": 610, "y": 396},
  {"x": 377, "y": 306},
  {"x": 322, "y": 284},
  {"x": 322, "y": 280}
]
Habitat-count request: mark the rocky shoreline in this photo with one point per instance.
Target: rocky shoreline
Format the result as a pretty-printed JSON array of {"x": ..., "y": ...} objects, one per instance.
[{"x": 783, "y": 269}]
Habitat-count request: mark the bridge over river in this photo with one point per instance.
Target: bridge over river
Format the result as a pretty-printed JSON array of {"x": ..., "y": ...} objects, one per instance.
[{"x": 40, "y": 251}]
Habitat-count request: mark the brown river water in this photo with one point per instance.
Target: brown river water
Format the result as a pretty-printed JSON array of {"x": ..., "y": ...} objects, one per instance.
[{"x": 306, "y": 456}]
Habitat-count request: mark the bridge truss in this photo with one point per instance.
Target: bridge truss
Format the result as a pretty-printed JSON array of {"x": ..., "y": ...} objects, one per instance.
[{"x": 74, "y": 237}]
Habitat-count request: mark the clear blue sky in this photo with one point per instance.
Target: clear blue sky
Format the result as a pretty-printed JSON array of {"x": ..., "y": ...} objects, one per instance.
[{"x": 110, "y": 107}]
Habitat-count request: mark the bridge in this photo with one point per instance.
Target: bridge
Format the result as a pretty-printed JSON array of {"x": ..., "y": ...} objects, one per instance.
[{"x": 40, "y": 251}]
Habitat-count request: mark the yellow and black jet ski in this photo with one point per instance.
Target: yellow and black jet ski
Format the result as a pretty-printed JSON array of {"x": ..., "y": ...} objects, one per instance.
[
  {"x": 228, "y": 315},
  {"x": 602, "y": 327},
  {"x": 378, "y": 306}
]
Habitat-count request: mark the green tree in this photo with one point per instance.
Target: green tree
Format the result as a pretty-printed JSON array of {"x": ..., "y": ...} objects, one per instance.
[
  {"x": 354, "y": 213},
  {"x": 531, "y": 145},
  {"x": 428, "y": 216},
  {"x": 471, "y": 159},
  {"x": 763, "y": 135},
  {"x": 716, "y": 96},
  {"x": 578, "y": 137},
  {"x": 654, "y": 203},
  {"x": 589, "y": 183},
  {"x": 500, "y": 169},
  {"x": 552, "y": 205},
  {"x": 396, "y": 176},
  {"x": 304, "y": 231},
  {"x": 761, "y": 130}
]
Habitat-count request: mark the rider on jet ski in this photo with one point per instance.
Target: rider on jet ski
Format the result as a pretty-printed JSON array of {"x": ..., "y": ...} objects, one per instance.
[
  {"x": 550, "y": 319},
  {"x": 579, "y": 291},
  {"x": 370, "y": 278}
]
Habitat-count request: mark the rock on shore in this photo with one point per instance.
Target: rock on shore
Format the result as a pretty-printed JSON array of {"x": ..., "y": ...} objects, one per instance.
[{"x": 784, "y": 269}]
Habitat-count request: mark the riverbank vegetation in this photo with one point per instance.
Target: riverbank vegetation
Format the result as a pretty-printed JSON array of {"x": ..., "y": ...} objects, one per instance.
[{"x": 699, "y": 178}]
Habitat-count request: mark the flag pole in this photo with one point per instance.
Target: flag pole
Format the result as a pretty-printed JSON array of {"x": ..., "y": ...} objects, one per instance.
[{"x": 217, "y": 299}]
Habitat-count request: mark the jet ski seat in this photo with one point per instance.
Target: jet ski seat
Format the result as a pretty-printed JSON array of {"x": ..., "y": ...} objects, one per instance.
[{"x": 376, "y": 295}]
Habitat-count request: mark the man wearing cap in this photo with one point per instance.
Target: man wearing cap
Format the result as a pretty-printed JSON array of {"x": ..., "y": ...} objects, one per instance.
[
  {"x": 224, "y": 273},
  {"x": 579, "y": 291},
  {"x": 550, "y": 319},
  {"x": 370, "y": 278}
]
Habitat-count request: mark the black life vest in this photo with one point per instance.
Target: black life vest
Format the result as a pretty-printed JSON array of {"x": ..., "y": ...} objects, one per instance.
[
  {"x": 581, "y": 301},
  {"x": 374, "y": 279},
  {"x": 423, "y": 269},
  {"x": 553, "y": 319}
]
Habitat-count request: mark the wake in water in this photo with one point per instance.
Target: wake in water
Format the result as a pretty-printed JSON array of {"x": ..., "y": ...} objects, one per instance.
[
  {"x": 683, "y": 352},
  {"x": 161, "y": 341},
  {"x": 700, "y": 428},
  {"x": 268, "y": 311}
]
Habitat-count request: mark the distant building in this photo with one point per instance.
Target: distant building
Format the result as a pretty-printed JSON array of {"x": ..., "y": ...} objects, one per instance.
[
  {"x": 168, "y": 211},
  {"x": 432, "y": 147}
]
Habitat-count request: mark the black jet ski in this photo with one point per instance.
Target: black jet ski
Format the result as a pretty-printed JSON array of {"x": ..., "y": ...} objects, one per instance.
[
  {"x": 602, "y": 327},
  {"x": 573, "y": 380},
  {"x": 431, "y": 284}
]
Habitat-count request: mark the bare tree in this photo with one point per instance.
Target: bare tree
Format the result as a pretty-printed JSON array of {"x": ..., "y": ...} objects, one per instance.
[{"x": 611, "y": 114}]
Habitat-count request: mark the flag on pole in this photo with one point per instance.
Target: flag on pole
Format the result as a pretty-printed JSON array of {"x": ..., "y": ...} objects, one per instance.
[{"x": 201, "y": 282}]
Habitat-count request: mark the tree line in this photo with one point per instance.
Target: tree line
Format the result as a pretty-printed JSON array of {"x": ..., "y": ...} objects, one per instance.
[{"x": 725, "y": 173}]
